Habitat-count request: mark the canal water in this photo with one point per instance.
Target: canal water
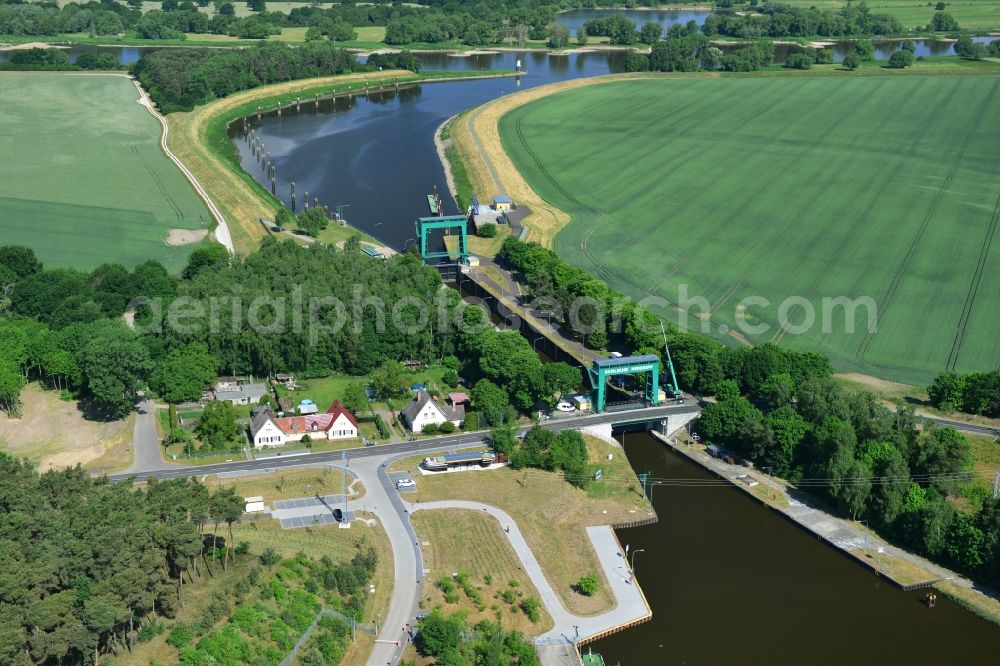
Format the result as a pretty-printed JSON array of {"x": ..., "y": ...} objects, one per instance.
[{"x": 731, "y": 582}]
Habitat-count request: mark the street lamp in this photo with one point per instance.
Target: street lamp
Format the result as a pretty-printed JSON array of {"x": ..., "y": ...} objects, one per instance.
[
  {"x": 632, "y": 565},
  {"x": 769, "y": 488},
  {"x": 535, "y": 342},
  {"x": 651, "y": 486},
  {"x": 865, "y": 523}
]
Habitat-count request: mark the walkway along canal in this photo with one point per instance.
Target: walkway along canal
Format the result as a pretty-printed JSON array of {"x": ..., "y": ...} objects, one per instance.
[{"x": 730, "y": 581}]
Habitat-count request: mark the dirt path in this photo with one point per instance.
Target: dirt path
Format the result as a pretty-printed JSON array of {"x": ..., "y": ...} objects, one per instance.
[{"x": 222, "y": 229}]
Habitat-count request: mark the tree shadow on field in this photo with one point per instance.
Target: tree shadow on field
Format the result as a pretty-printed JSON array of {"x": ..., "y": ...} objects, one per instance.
[{"x": 92, "y": 411}]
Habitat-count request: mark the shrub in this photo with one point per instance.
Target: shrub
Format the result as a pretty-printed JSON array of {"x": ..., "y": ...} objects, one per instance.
[
  {"x": 151, "y": 630},
  {"x": 383, "y": 429},
  {"x": 588, "y": 586},
  {"x": 180, "y": 635},
  {"x": 242, "y": 548},
  {"x": 532, "y": 608},
  {"x": 269, "y": 557},
  {"x": 471, "y": 421},
  {"x": 799, "y": 61},
  {"x": 446, "y": 428},
  {"x": 488, "y": 231},
  {"x": 851, "y": 61},
  {"x": 901, "y": 59},
  {"x": 430, "y": 429}
]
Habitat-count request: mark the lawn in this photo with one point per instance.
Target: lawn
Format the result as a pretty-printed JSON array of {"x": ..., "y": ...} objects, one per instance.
[
  {"x": 466, "y": 541},
  {"x": 552, "y": 514},
  {"x": 813, "y": 187},
  {"x": 83, "y": 180}
]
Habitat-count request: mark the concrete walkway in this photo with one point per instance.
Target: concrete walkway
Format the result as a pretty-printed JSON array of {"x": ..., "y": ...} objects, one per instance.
[{"x": 631, "y": 604}]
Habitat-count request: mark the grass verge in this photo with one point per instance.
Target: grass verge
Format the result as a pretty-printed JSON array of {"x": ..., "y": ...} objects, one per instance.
[{"x": 552, "y": 514}]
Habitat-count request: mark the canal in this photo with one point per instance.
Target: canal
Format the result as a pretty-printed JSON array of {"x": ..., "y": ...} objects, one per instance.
[{"x": 732, "y": 582}]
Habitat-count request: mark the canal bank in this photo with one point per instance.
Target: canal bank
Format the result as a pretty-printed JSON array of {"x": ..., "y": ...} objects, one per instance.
[{"x": 730, "y": 583}]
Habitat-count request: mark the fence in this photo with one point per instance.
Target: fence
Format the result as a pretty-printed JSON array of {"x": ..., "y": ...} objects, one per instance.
[{"x": 358, "y": 626}]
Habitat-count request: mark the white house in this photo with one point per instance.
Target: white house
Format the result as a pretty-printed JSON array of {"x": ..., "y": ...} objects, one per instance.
[
  {"x": 423, "y": 410},
  {"x": 240, "y": 394},
  {"x": 269, "y": 430}
]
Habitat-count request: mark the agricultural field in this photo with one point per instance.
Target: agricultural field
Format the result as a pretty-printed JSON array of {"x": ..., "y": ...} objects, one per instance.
[
  {"x": 970, "y": 14},
  {"x": 83, "y": 180},
  {"x": 775, "y": 187}
]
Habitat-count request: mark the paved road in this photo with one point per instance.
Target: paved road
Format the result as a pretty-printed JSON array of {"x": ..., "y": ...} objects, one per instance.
[
  {"x": 163, "y": 470},
  {"x": 146, "y": 443}
]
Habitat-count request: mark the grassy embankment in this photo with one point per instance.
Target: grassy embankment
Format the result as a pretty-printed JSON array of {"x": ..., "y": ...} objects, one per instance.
[
  {"x": 54, "y": 433},
  {"x": 460, "y": 541},
  {"x": 200, "y": 140},
  {"x": 552, "y": 515}
]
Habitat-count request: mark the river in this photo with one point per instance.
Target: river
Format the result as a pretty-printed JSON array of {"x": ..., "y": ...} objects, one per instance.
[{"x": 731, "y": 582}]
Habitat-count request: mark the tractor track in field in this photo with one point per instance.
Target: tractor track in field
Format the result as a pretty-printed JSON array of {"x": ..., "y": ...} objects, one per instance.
[
  {"x": 890, "y": 294},
  {"x": 970, "y": 298},
  {"x": 159, "y": 184},
  {"x": 866, "y": 213}
]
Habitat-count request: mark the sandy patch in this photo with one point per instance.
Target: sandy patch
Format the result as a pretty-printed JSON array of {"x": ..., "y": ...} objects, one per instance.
[
  {"x": 54, "y": 433},
  {"x": 463, "y": 54},
  {"x": 820, "y": 44},
  {"x": 31, "y": 45},
  {"x": 883, "y": 386},
  {"x": 185, "y": 236}
]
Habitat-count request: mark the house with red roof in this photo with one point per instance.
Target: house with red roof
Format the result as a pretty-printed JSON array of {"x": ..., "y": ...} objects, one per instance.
[{"x": 266, "y": 429}]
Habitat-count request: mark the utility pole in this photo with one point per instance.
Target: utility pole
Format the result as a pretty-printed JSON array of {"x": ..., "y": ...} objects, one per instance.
[
  {"x": 343, "y": 458},
  {"x": 996, "y": 484},
  {"x": 643, "y": 478}
]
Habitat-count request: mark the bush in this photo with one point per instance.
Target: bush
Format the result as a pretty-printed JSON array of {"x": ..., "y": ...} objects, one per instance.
[
  {"x": 471, "y": 421},
  {"x": 450, "y": 377},
  {"x": 149, "y": 631},
  {"x": 447, "y": 428},
  {"x": 799, "y": 61},
  {"x": 383, "y": 429},
  {"x": 269, "y": 557},
  {"x": 901, "y": 59},
  {"x": 532, "y": 608},
  {"x": 242, "y": 548},
  {"x": 851, "y": 61},
  {"x": 588, "y": 586},
  {"x": 488, "y": 231},
  {"x": 430, "y": 429},
  {"x": 180, "y": 635}
]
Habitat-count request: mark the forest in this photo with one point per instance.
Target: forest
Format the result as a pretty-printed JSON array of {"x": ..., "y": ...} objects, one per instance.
[
  {"x": 83, "y": 563},
  {"x": 777, "y": 20},
  {"x": 179, "y": 79},
  {"x": 310, "y": 310}
]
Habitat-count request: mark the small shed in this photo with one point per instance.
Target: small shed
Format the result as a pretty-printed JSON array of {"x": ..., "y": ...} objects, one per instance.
[
  {"x": 307, "y": 406},
  {"x": 502, "y": 203},
  {"x": 254, "y": 504}
]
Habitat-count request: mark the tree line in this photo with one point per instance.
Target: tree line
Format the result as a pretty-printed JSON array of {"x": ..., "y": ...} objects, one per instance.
[
  {"x": 972, "y": 393},
  {"x": 47, "y": 59},
  {"x": 75, "y": 585},
  {"x": 179, "y": 79},
  {"x": 778, "y": 20}
]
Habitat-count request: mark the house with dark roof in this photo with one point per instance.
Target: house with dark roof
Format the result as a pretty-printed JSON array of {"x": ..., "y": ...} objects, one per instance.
[
  {"x": 423, "y": 410},
  {"x": 266, "y": 429}
]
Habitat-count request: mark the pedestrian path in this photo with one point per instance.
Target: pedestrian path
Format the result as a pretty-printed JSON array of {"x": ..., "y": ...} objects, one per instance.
[{"x": 630, "y": 608}]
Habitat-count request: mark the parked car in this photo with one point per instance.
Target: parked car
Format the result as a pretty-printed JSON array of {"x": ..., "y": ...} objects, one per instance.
[
  {"x": 406, "y": 483},
  {"x": 564, "y": 406}
]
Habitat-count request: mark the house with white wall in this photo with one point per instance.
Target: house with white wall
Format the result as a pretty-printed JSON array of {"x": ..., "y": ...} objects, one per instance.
[
  {"x": 266, "y": 429},
  {"x": 424, "y": 410}
]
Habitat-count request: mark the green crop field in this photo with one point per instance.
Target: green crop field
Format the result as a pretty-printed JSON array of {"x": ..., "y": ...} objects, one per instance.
[
  {"x": 777, "y": 187},
  {"x": 83, "y": 180}
]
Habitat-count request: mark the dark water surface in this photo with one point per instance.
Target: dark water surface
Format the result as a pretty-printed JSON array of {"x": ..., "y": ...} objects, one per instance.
[
  {"x": 376, "y": 153},
  {"x": 731, "y": 582}
]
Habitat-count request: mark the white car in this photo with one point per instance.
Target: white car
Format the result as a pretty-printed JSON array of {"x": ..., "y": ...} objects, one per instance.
[
  {"x": 406, "y": 483},
  {"x": 564, "y": 406}
]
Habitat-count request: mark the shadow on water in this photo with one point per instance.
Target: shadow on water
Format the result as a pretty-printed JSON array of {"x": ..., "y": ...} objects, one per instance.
[{"x": 731, "y": 582}]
